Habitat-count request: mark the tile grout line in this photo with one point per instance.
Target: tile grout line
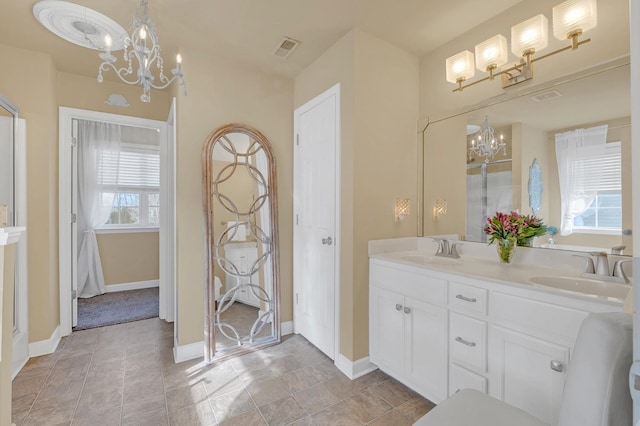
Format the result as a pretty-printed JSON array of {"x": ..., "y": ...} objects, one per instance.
[{"x": 164, "y": 382}]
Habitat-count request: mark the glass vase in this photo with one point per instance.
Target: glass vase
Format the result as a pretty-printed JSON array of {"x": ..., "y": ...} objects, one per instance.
[
  {"x": 506, "y": 248},
  {"x": 526, "y": 242}
]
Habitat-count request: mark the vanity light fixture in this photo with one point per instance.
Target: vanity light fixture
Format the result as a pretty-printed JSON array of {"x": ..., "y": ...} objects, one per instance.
[
  {"x": 141, "y": 46},
  {"x": 485, "y": 144},
  {"x": 571, "y": 19},
  {"x": 440, "y": 209},
  {"x": 402, "y": 209}
]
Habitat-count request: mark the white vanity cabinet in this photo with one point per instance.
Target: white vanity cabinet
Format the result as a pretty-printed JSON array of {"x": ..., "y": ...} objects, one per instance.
[
  {"x": 243, "y": 256},
  {"x": 528, "y": 372},
  {"x": 461, "y": 331},
  {"x": 408, "y": 328}
]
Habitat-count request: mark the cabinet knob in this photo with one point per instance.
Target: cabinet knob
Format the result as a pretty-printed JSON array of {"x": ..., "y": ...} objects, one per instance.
[
  {"x": 556, "y": 366},
  {"x": 407, "y": 310},
  {"x": 398, "y": 307}
]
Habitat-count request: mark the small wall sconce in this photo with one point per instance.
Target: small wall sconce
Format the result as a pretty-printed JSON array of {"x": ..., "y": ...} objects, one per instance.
[
  {"x": 440, "y": 209},
  {"x": 402, "y": 209}
]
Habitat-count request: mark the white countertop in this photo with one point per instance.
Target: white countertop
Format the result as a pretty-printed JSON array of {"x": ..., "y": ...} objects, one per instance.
[{"x": 518, "y": 274}]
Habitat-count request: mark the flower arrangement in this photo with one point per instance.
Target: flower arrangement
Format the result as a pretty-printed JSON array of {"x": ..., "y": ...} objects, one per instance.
[
  {"x": 511, "y": 229},
  {"x": 514, "y": 226}
]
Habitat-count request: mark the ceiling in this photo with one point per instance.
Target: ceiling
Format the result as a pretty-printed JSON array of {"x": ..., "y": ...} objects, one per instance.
[{"x": 249, "y": 30}]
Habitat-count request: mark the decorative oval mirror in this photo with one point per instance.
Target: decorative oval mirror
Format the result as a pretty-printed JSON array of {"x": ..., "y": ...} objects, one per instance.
[{"x": 242, "y": 299}]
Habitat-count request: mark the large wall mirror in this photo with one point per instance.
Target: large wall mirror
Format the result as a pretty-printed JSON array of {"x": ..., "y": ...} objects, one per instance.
[
  {"x": 242, "y": 303},
  {"x": 475, "y": 187}
]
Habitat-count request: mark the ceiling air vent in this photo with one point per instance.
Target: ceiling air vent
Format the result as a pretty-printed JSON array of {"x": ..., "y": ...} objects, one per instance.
[
  {"x": 542, "y": 97},
  {"x": 285, "y": 47}
]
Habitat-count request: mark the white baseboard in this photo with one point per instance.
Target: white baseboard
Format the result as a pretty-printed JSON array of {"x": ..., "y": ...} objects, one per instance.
[
  {"x": 138, "y": 285},
  {"x": 286, "y": 328},
  {"x": 187, "y": 352},
  {"x": 45, "y": 347},
  {"x": 354, "y": 369}
]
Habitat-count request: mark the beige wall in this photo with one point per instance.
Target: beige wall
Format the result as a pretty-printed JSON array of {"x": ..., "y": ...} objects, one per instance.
[
  {"x": 610, "y": 40},
  {"x": 378, "y": 159},
  {"x": 445, "y": 174},
  {"x": 30, "y": 83},
  {"x": 7, "y": 262},
  {"x": 76, "y": 91},
  {"x": 226, "y": 92},
  {"x": 129, "y": 257}
]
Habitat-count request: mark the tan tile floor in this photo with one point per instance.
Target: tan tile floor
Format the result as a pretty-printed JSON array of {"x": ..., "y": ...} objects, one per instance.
[{"x": 125, "y": 375}]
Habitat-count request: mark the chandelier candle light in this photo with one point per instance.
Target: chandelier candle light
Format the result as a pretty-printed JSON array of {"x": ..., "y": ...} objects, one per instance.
[
  {"x": 141, "y": 45},
  {"x": 571, "y": 19},
  {"x": 484, "y": 143}
]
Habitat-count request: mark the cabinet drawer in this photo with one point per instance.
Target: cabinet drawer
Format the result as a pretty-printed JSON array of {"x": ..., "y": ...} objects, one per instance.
[
  {"x": 468, "y": 298},
  {"x": 412, "y": 284},
  {"x": 468, "y": 341},
  {"x": 537, "y": 318},
  {"x": 461, "y": 378}
]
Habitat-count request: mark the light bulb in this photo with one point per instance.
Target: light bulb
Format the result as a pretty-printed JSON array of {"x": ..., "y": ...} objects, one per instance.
[
  {"x": 143, "y": 33},
  {"x": 107, "y": 41},
  {"x": 179, "y": 58}
]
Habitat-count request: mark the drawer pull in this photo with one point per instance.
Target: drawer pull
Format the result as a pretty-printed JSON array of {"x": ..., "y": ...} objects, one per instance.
[
  {"x": 398, "y": 307},
  {"x": 466, "y": 299},
  {"x": 556, "y": 366},
  {"x": 466, "y": 342},
  {"x": 407, "y": 310}
]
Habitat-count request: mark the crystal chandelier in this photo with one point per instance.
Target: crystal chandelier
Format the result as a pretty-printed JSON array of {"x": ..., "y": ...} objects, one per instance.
[
  {"x": 484, "y": 143},
  {"x": 141, "y": 46}
]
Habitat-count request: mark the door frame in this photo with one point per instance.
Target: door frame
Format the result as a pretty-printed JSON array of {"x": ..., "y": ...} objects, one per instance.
[
  {"x": 334, "y": 91},
  {"x": 66, "y": 115}
]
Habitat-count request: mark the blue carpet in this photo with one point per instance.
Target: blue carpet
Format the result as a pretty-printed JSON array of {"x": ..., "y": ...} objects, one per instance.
[{"x": 117, "y": 307}]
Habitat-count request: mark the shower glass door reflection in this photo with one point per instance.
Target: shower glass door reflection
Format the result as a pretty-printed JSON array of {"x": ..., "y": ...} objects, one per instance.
[{"x": 489, "y": 190}]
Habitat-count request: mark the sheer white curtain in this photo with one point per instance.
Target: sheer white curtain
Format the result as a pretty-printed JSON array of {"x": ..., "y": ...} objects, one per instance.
[
  {"x": 98, "y": 162},
  {"x": 579, "y": 154}
]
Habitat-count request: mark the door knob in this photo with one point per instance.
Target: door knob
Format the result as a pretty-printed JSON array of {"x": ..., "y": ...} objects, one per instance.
[
  {"x": 556, "y": 366},
  {"x": 398, "y": 307},
  {"x": 328, "y": 241}
]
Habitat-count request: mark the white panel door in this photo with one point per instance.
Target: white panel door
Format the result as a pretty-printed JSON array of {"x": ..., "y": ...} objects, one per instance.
[
  {"x": 426, "y": 347},
  {"x": 168, "y": 219},
  {"x": 523, "y": 373},
  {"x": 315, "y": 236}
]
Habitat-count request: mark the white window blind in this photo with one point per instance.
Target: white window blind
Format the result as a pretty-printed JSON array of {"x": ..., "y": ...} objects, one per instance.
[{"x": 131, "y": 168}]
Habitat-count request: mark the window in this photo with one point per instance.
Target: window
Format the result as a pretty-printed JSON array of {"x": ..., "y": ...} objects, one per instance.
[
  {"x": 131, "y": 185},
  {"x": 604, "y": 215}
]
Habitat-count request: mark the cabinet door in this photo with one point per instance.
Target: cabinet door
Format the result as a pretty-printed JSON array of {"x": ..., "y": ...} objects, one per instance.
[
  {"x": 426, "y": 348},
  {"x": 528, "y": 373},
  {"x": 387, "y": 339}
]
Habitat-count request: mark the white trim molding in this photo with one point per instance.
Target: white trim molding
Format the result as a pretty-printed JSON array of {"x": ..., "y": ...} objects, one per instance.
[
  {"x": 354, "y": 369},
  {"x": 137, "y": 285},
  {"x": 286, "y": 328},
  {"x": 47, "y": 346},
  {"x": 187, "y": 352}
]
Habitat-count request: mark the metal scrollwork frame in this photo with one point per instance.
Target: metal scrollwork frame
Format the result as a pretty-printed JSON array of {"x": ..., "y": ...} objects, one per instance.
[{"x": 211, "y": 181}]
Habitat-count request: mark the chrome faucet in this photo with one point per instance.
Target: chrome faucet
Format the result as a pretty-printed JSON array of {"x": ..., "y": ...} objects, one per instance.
[
  {"x": 447, "y": 249},
  {"x": 617, "y": 249},
  {"x": 600, "y": 268}
]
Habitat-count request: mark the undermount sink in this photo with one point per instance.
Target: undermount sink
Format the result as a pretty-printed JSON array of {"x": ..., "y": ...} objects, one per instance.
[
  {"x": 584, "y": 285},
  {"x": 426, "y": 259}
]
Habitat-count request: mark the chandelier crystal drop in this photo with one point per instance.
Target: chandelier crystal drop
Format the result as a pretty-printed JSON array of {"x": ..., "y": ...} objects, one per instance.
[
  {"x": 141, "y": 49},
  {"x": 485, "y": 144}
]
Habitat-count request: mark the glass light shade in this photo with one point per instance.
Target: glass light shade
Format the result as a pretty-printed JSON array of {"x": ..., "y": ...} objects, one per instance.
[
  {"x": 492, "y": 52},
  {"x": 460, "y": 66},
  {"x": 530, "y": 34},
  {"x": 573, "y": 15}
]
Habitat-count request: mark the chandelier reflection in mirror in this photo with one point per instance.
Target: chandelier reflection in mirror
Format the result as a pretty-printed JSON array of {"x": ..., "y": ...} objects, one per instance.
[
  {"x": 141, "y": 47},
  {"x": 485, "y": 144}
]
